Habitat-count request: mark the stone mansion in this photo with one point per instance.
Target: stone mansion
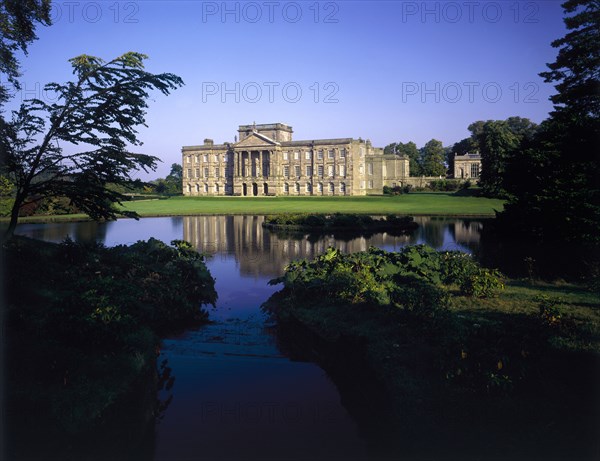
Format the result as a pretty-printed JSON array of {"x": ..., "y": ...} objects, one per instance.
[{"x": 265, "y": 161}]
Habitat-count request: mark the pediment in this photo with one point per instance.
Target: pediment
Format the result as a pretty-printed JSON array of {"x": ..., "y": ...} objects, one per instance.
[{"x": 256, "y": 140}]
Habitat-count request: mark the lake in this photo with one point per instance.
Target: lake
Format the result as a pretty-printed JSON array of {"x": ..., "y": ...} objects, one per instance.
[{"x": 237, "y": 395}]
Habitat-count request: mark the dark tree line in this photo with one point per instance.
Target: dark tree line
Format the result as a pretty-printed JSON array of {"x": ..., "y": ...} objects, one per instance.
[{"x": 429, "y": 160}]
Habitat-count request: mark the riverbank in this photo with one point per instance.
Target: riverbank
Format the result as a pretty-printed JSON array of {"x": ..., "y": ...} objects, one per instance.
[
  {"x": 83, "y": 326},
  {"x": 460, "y": 374},
  {"x": 413, "y": 204}
]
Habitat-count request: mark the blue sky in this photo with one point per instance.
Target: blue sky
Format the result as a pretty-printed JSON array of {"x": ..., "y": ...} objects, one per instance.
[{"x": 386, "y": 71}]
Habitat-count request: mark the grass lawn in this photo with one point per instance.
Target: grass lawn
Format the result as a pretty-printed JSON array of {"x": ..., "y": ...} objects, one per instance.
[{"x": 408, "y": 204}]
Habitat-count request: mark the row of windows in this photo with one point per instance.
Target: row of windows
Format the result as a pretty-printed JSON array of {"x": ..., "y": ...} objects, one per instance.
[
  {"x": 308, "y": 154},
  {"x": 205, "y": 158},
  {"x": 308, "y": 188},
  {"x": 320, "y": 171},
  {"x": 195, "y": 173},
  {"x": 286, "y": 156},
  {"x": 216, "y": 188}
]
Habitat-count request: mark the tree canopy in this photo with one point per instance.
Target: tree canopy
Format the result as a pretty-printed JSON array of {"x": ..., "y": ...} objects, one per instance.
[
  {"x": 96, "y": 116},
  {"x": 433, "y": 156},
  {"x": 555, "y": 182},
  {"x": 18, "y": 20}
]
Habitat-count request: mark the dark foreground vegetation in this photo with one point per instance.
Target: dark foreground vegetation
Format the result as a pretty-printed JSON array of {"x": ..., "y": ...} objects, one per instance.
[
  {"x": 439, "y": 358},
  {"x": 83, "y": 328}
]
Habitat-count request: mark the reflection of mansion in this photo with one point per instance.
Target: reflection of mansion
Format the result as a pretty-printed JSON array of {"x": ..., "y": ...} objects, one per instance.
[{"x": 265, "y": 161}]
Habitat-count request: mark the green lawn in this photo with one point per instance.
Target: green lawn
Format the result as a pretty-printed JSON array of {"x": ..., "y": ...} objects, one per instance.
[{"x": 408, "y": 204}]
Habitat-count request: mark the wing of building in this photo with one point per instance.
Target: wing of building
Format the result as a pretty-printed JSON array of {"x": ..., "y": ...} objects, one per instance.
[{"x": 265, "y": 160}]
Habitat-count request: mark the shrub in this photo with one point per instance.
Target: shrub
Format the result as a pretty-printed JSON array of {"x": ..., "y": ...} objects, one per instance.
[{"x": 483, "y": 283}]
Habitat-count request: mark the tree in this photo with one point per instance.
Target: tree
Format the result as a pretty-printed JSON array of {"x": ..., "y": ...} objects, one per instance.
[
  {"x": 96, "y": 115},
  {"x": 433, "y": 156},
  {"x": 172, "y": 184},
  {"x": 496, "y": 141},
  {"x": 176, "y": 174},
  {"x": 410, "y": 150},
  {"x": 555, "y": 183},
  {"x": 18, "y": 19}
]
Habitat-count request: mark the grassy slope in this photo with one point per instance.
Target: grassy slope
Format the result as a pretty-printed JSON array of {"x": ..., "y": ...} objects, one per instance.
[
  {"x": 553, "y": 406},
  {"x": 410, "y": 204}
]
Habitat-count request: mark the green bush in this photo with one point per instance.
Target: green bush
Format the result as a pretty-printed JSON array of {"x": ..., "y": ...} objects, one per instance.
[{"x": 482, "y": 283}]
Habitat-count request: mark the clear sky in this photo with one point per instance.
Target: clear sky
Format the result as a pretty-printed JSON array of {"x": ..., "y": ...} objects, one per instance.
[{"x": 385, "y": 71}]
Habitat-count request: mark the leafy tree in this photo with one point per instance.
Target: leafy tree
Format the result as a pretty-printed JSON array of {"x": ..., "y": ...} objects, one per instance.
[
  {"x": 96, "y": 115},
  {"x": 176, "y": 174},
  {"x": 496, "y": 141},
  {"x": 18, "y": 19},
  {"x": 409, "y": 150},
  {"x": 555, "y": 182},
  {"x": 390, "y": 148},
  {"x": 433, "y": 156}
]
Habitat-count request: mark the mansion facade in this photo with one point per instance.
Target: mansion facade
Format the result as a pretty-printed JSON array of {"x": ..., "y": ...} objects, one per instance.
[{"x": 265, "y": 161}]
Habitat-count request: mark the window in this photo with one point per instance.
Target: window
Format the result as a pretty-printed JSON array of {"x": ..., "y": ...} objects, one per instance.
[
  {"x": 330, "y": 153},
  {"x": 308, "y": 187},
  {"x": 205, "y": 158},
  {"x": 362, "y": 184},
  {"x": 308, "y": 170},
  {"x": 217, "y": 171},
  {"x": 320, "y": 188},
  {"x": 320, "y": 171},
  {"x": 188, "y": 159},
  {"x": 189, "y": 188},
  {"x": 197, "y": 158},
  {"x": 216, "y": 188},
  {"x": 475, "y": 170},
  {"x": 197, "y": 188},
  {"x": 362, "y": 151},
  {"x": 307, "y": 155},
  {"x": 342, "y": 153},
  {"x": 320, "y": 154},
  {"x": 189, "y": 173},
  {"x": 343, "y": 188},
  {"x": 370, "y": 168},
  {"x": 225, "y": 158},
  {"x": 343, "y": 171},
  {"x": 205, "y": 187},
  {"x": 296, "y": 155},
  {"x": 331, "y": 187},
  {"x": 330, "y": 171},
  {"x": 197, "y": 172},
  {"x": 286, "y": 171},
  {"x": 297, "y": 188},
  {"x": 297, "y": 170},
  {"x": 286, "y": 188},
  {"x": 286, "y": 155},
  {"x": 361, "y": 168},
  {"x": 371, "y": 184},
  {"x": 206, "y": 172}
]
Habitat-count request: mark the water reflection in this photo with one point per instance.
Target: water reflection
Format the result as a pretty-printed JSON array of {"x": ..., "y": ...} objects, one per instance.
[
  {"x": 260, "y": 252},
  {"x": 237, "y": 395}
]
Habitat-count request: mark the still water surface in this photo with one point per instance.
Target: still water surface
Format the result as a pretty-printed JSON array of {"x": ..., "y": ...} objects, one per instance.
[{"x": 236, "y": 395}]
